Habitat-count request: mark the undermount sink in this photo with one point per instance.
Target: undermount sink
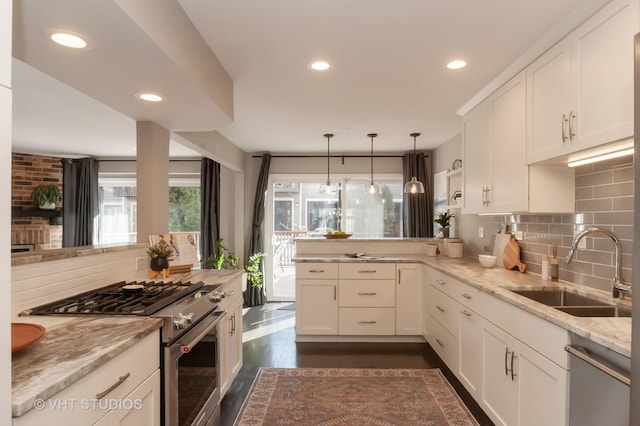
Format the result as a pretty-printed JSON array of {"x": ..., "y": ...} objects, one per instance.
[{"x": 574, "y": 304}]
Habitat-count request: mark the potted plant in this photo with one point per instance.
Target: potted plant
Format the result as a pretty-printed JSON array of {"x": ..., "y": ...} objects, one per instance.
[
  {"x": 228, "y": 260},
  {"x": 159, "y": 254},
  {"x": 45, "y": 196},
  {"x": 444, "y": 220}
]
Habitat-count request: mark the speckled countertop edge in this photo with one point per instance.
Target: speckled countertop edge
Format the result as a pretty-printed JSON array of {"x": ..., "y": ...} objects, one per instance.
[
  {"x": 27, "y": 257},
  {"x": 69, "y": 350},
  {"x": 613, "y": 333}
]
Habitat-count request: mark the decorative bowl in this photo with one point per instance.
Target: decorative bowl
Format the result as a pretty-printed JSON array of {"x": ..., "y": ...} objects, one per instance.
[
  {"x": 337, "y": 236},
  {"x": 487, "y": 260}
]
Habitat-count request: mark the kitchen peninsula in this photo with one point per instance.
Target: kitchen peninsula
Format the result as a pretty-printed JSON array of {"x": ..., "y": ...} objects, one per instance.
[{"x": 470, "y": 316}]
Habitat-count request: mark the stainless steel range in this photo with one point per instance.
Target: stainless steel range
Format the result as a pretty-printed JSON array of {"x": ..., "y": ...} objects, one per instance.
[{"x": 189, "y": 349}]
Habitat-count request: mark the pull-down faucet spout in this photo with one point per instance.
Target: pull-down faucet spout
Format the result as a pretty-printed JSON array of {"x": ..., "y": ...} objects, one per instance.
[{"x": 617, "y": 284}]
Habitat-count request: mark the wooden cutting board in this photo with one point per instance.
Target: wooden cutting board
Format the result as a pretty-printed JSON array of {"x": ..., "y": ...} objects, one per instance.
[
  {"x": 511, "y": 256},
  {"x": 498, "y": 247}
]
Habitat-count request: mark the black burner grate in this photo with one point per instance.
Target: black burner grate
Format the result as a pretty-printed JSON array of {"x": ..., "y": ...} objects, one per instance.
[{"x": 123, "y": 298}]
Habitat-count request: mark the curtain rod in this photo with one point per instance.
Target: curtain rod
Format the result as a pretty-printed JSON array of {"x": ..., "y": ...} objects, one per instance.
[{"x": 334, "y": 156}]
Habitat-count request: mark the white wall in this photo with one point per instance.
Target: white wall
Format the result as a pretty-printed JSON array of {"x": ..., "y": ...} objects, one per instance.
[
  {"x": 5, "y": 212},
  {"x": 466, "y": 225}
]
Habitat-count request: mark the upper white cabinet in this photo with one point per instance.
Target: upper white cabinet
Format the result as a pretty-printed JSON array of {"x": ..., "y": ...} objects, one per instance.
[
  {"x": 5, "y": 43},
  {"x": 581, "y": 90},
  {"x": 496, "y": 176}
]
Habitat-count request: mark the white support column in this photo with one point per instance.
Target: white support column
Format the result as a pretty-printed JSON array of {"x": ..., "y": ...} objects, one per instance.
[{"x": 152, "y": 170}]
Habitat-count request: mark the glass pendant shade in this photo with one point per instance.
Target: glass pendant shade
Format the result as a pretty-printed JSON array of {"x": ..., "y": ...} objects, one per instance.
[{"x": 414, "y": 186}]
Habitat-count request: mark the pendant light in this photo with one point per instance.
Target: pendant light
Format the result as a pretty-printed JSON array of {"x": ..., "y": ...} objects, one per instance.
[
  {"x": 414, "y": 186},
  {"x": 326, "y": 189},
  {"x": 374, "y": 188}
]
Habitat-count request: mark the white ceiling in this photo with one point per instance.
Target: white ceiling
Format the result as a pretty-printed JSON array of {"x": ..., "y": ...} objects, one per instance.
[{"x": 388, "y": 71}]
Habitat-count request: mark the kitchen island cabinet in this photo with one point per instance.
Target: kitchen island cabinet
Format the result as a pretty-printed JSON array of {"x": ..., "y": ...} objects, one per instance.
[{"x": 317, "y": 299}]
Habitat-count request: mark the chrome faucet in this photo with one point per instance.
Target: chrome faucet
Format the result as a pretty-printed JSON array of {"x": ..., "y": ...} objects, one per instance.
[{"x": 617, "y": 284}]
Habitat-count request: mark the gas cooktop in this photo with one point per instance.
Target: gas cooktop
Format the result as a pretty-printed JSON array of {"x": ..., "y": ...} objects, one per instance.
[{"x": 123, "y": 298}]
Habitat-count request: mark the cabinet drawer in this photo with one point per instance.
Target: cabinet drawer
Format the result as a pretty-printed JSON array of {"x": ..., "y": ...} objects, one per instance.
[
  {"x": 368, "y": 271},
  {"x": 317, "y": 270},
  {"x": 467, "y": 295},
  {"x": 443, "y": 309},
  {"x": 367, "y": 321},
  {"x": 443, "y": 282},
  {"x": 445, "y": 345},
  {"x": 365, "y": 293}
]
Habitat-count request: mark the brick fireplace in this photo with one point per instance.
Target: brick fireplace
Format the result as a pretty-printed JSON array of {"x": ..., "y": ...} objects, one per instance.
[{"x": 27, "y": 172}]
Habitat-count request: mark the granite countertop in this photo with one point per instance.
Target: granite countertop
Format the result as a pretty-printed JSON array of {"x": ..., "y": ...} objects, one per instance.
[
  {"x": 613, "y": 333},
  {"x": 27, "y": 257},
  {"x": 71, "y": 348}
]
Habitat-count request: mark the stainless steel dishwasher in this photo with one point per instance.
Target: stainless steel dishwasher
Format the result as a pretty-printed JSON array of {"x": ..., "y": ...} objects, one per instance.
[{"x": 599, "y": 385}]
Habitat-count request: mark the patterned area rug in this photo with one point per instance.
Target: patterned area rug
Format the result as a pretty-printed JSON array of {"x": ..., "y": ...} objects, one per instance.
[{"x": 353, "y": 397}]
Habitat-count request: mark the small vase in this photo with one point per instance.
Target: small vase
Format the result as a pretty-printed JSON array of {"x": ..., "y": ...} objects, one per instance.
[
  {"x": 47, "y": 206},
  {"x": 445, "y": 232},
  {"x": 159, "y": 263}
]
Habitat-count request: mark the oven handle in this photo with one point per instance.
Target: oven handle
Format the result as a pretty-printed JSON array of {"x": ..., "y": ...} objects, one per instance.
[{"x": 187, "y": 348}]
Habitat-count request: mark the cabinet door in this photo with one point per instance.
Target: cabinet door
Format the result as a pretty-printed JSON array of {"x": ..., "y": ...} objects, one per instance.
[
  {"x": 317, "y": 307},
  {"x": 230, "y": 346},
  {"x": 603, "y": 54},
  {"x": 476, "y": 159},
  {"x": 500, "y": 390},
  {"x": 550, "y": 94},
  {"x": 408, "y": 299},
  {"x": 543, "y": 390},
  {"x": 144, "y": 403},
  {"x": 470, "y": 351},
  {"x": 509, "y": 170}
]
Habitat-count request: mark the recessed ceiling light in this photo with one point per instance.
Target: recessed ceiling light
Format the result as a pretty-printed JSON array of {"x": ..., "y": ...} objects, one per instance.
[
  {"x": 69, "y": 40},
  {"x": 149, "y": 97},
  {"x": 457, "y": 64},
  {"x": 320, "y": 66}
]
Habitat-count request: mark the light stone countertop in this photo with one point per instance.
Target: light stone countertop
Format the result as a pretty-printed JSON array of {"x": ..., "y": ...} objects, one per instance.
[
  {"x": 71, "y": 348},
  {"x": 27, "y": 257},
  {"x": 613, "y": 333}
]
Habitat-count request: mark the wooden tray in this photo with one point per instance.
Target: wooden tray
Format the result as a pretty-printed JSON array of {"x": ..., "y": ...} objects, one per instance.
[
  {"x": 337, "y": 236},
  {"x": 22, "y": 335}
]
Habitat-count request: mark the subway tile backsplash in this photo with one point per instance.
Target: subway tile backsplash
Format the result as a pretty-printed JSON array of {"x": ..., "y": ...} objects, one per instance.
[{"x": 604, "y": 199}]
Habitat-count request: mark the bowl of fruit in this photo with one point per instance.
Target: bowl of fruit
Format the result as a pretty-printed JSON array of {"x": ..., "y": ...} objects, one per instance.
[{"x": 336, "y": 235}]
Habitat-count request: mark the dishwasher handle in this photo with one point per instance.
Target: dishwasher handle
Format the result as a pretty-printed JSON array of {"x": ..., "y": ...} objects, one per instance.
[{"x": 582, "y": 353}]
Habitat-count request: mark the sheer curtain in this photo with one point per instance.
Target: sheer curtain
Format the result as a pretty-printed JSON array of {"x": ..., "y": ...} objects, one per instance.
[
  {"x": 79, "y": 201},
  {"x": 418, "y": 208},
  {"x": 209, "y": 208},
  {"x": 257, "y": 296}
]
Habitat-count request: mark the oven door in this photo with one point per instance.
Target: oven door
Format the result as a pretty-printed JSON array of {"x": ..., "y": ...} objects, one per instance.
[{"x": 191, "y": 375}]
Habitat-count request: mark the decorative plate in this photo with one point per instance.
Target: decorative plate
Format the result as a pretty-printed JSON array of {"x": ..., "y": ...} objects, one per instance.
[
  {"x": 337, "y": 236},
  {"x": 23, "y": 334},
  {"x": 457, "y": 164}
]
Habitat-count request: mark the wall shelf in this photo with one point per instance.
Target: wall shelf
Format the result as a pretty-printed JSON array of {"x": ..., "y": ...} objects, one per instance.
[{"x": 55, "y": 216}]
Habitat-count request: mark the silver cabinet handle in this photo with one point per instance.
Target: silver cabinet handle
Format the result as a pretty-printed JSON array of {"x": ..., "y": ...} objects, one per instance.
[
  {"x": 506, "y": 356},
  {"x": 564, "y": 122},
  {"x": 367, "y": 294},
  {"x": 439, "y": 308},
  {"x": 316, "y": 271},
  {"x": 439, "y": 342},
  {"x": 572, "y": 118},
  {"x": 466, "y": 313},
  {"x": 367, "y": 271},
  {"x": 440, "y": 282},
  {"x": 485, "y": 195},
  {"x": 367, "y": 322},
  {"x": 466, "y": 295},
  {"x": 104, "y": 393},
  {"x": 231, "y": 325},
  {"x": 513, "y": 374},
  {"x": 335, "y": 292},
  {"x": 583, "y": 354}
]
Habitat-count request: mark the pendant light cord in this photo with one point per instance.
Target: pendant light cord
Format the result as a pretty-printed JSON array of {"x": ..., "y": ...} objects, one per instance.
[{"x": 372, "y": 135}]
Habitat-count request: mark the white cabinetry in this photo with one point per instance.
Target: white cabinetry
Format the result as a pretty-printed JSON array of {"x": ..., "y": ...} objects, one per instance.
[
  {"x": 231, "y": 334},
  {"x": 317, "y": 298},
  {"x": 409, "y": 299},
  {"x": 497, "y": 178},
  {"x": 5, "y": 43},
  {"x": 134, "y": 400},
  {"x": 581, "y": 90}
]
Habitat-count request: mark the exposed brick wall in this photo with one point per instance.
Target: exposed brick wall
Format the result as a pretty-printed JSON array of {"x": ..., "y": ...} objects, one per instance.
[{"x": 27, "y": 172}]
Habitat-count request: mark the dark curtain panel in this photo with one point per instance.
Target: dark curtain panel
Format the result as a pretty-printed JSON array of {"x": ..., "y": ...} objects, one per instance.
[
  {"x": 209, "y": 207},
  {"x": 257, "y": 296},
  {"x": 418, "y": 208},
  {"x": 79, "y": 201}
]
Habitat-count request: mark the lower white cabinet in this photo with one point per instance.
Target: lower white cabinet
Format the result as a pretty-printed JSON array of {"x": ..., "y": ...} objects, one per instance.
[
  {"x": 317, "y": 306},
  {"x": 521, "y": 387},
  {"x": 133, "y": 381},
  {"x": 470, "y": 372},
  {"x": 409, "y": 299}
]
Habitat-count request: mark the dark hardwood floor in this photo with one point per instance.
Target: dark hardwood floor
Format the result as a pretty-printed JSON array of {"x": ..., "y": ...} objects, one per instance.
[{"x": 269, "y": 341}]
